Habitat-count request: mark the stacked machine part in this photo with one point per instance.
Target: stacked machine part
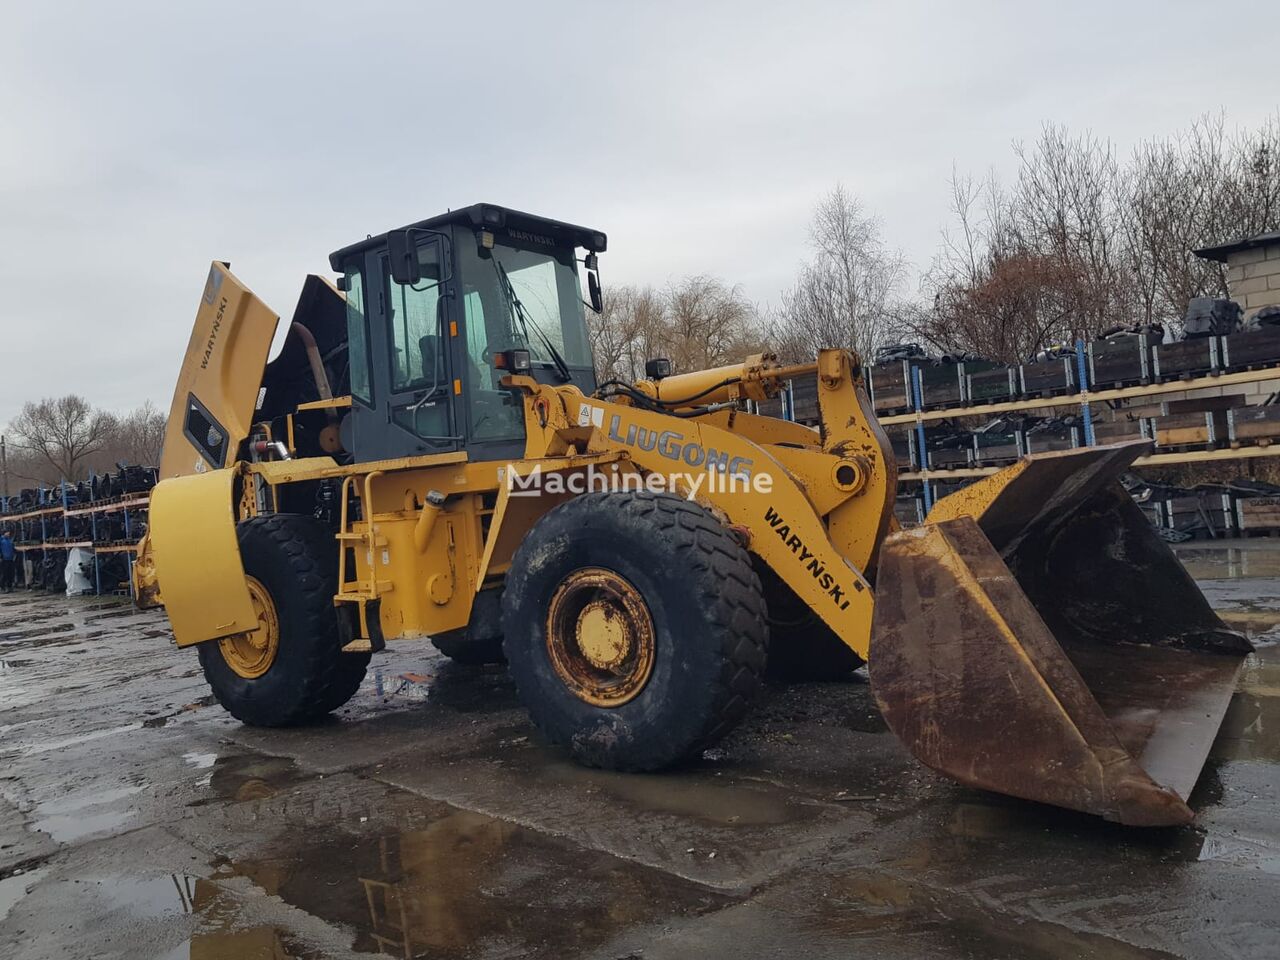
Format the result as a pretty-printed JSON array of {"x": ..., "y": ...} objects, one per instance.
[
  {"x": 983, "y": 415},
  {"x": 94, "y": 523}
]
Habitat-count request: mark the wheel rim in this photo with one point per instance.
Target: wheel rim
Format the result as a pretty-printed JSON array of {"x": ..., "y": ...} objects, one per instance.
[
  {"x": 250, "y": 654},
  {"x": 600, "y": 637}
]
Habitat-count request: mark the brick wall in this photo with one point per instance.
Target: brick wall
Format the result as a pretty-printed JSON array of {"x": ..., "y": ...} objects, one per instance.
[{"x": 1253, "y": 277}]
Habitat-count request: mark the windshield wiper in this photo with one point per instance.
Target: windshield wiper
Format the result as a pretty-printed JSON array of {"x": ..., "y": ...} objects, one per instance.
[{"x": 521, "y": 316}]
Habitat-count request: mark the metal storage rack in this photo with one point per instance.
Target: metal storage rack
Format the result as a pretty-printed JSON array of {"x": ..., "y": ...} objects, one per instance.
[
  {"x": 129, "y": 505},
  {"x": 57, "y": 515},
  {"x": 1081, "y": 399}
]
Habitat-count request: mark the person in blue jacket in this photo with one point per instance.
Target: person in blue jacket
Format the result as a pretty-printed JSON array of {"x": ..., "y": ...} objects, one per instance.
[{"x": 8, "y": 555}]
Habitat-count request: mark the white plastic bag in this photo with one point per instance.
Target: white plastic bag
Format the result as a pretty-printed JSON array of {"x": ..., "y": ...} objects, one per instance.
[{"x": 79, "y": 559}]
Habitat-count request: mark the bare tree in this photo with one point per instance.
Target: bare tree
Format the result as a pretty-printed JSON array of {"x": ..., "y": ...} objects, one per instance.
[
  {"x": 708, "y": 324},
  {"x": 697, "y": 322},
  {"x": 625, "y": 332},
  {"x": 1195, "y": 189},
  {"x": 23, "y": 467},
  {"x": 1084, "y": 241},
  {"x": 845, "y": 295},
  {"x": 62, "y": 433},
  {"x": 1068, "y": 211},
  {"x": 138, "y": 437},
  {"x": 988, "y": 293},
  {"x": 1177, "y": 202}
]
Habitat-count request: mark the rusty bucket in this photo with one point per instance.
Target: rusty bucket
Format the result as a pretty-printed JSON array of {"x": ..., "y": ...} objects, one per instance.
[{"x": 1036, "y": 637}]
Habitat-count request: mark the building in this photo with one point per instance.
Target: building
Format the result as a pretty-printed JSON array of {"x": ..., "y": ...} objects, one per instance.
[{"x": 1253, "y": 270}]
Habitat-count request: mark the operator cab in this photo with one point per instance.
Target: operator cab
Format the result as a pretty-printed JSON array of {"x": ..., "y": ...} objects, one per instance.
[{"x": 433, "y": 308}]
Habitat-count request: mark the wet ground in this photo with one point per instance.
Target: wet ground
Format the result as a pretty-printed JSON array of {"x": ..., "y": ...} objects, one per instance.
[{"x": 138, "y": 821}]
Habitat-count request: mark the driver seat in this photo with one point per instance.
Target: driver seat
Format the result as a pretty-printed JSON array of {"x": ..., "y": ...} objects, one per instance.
[{"x": 432, "y": 359}]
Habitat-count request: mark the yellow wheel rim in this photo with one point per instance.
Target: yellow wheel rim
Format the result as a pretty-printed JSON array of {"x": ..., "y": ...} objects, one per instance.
[
  {"x": 600, "y": 637},
  {"x": 250, "y": 654}
]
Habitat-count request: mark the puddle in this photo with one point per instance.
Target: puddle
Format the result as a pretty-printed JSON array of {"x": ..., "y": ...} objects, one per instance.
[
  {"x": 863, "y": 904},
  {"x": 460, "y": 688},
  {"x": 220, "y": 934},
  {"x": 1241, "y": 580},
  {"x": 467, "y": 883},
  {"x": 1251, "y": 728},
  {"x": 244, "y": 777},
  {"x": 252, "y": 943},
  {"x": 149, "y": 897},
  {"x": 67, "y": 827},
  {"x": 408, "y": 686},
  {"x": 1259, "y": 559},
  {"x": 79, "y": 815},
  {"x": 1239, "y": 851},
  {"x": 96, "y": 799}
]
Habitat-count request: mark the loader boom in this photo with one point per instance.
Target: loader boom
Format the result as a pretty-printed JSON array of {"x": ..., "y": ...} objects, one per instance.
[{"x": 815, "y": 511}]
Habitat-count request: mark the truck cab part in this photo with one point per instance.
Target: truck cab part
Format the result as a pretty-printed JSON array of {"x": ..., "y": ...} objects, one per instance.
[{"x": 429, "y": 309}]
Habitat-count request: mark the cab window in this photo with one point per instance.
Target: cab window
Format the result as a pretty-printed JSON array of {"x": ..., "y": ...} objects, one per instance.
[
  {"x": 357, "y": 332},
  {"x": 495, "y": 413},
  {"x": 421, "y": 391},
  {"x": 414, "y": 312}
]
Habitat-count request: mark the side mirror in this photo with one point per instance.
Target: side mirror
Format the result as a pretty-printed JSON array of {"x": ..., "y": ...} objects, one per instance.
[
  {"x": 403, "y": 255},
  {"x": 593, "y": 291}
]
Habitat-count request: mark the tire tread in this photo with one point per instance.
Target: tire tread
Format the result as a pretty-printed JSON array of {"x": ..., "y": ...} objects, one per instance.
[
  {"x": 327, "y": 679},
  {"x": 731, "y": 593}
]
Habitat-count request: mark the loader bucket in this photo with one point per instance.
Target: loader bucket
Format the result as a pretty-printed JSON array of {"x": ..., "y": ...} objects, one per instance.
[{"x": 1035, "y": 637}]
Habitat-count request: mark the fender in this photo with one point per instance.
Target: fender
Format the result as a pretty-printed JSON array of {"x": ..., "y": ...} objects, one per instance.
[
  {"x": 515, "y": 515},
  {"x": 196, "y": 555}
]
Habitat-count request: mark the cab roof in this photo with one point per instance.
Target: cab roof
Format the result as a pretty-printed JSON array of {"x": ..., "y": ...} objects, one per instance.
[{"x": 502, "y": 220}]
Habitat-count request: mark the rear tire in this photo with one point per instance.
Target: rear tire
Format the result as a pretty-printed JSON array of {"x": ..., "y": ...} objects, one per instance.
[
  {"x": 695, "y": 603},
  {"x": 295, "y": 560}
]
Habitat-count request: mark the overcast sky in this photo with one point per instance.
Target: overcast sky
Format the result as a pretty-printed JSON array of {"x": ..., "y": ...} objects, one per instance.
[{"x": 142, "y": 140}]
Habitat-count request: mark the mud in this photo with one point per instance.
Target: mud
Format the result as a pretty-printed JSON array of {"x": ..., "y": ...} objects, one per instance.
[{"x": 138, "y": 821}]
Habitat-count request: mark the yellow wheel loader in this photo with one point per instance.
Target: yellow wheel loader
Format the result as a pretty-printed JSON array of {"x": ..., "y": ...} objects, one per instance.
[{"x": 430, "y": 455}]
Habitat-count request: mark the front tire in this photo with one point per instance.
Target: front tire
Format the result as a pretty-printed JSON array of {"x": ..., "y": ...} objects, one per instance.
[
  {"x": 292, "y": 669},
  {"x": 635, "y": 629}
]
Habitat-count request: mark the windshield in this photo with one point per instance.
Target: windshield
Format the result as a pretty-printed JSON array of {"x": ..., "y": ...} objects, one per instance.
[{"x": 541, "y": 311}]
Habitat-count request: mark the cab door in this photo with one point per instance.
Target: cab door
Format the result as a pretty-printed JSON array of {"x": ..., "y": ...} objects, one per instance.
[{"x": 412, "y": 409}]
